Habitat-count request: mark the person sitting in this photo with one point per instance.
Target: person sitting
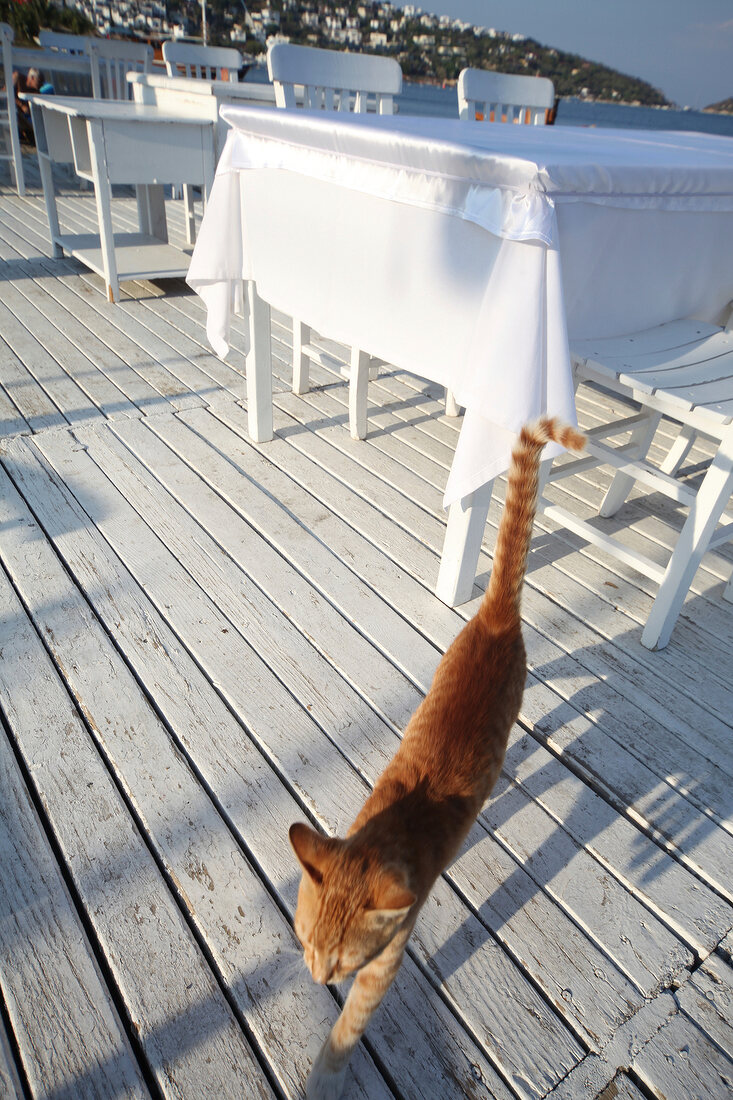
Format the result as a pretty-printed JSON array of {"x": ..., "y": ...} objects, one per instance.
[{"x": 30, "y": 82}]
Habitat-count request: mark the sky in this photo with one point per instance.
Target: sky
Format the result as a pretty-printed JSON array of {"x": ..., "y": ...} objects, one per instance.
[{"x": 682, "y": 47}]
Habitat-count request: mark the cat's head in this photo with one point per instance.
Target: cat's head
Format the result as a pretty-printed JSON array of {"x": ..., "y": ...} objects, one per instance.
[{"x": 349, "y": 905}]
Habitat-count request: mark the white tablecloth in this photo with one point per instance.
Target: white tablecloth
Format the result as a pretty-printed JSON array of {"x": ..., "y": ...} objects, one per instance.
[{"x": 466, "y": 252}]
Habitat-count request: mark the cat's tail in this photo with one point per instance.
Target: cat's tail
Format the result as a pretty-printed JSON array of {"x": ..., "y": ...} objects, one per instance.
[{"x": 502, "y": 599}]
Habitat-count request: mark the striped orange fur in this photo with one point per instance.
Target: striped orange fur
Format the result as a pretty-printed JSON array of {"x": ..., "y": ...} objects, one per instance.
[{"x": 359, "y": 896}]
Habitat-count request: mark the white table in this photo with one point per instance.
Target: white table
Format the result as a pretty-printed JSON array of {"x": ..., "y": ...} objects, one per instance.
[
  {"x": 118, "y": 142},
  {"x": 463, "y": 252}
]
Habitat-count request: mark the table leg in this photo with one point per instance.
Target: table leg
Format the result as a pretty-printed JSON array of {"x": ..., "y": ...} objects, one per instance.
[
  {"x": 45, "y": 167},
  {"x": 49, "y": 197},
  {"x": 462, "y": 545},
  {"x": 103, "y": 195},
  {"x": 208, "y": 165},
  {"x": 190, "y": 213},
  {"x": 259, "y": 368},
  {"x": 208, "y": 160},
  {"x": 358, "y": 390}
]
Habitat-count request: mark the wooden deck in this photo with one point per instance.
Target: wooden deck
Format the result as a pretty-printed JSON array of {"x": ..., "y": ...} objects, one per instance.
[{"x": 203, "y": 640}]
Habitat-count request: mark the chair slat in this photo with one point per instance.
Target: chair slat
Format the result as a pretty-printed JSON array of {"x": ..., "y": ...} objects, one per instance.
[{"x": 201, "y": 62}]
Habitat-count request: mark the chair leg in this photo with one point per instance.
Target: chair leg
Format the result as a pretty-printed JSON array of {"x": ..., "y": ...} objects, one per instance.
[
  {"x": 679, "y": 451},
  {"x": 301, "y": 362},
  {"x": 622, "y": 484},
  {"x": 705, "y": 512},
  {"x": 462, "y": 545},
  {"x": 190, "y": 215},
  {"x": 17, "y": 155},
  {"x": 358, "y": 386}
]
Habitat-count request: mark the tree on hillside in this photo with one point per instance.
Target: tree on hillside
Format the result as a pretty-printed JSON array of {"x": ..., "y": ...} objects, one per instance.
[{"x": 28, "y": 17}]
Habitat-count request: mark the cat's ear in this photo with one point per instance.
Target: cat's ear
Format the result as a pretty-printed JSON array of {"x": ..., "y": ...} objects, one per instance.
[
  {"x": 392, "y": 900},
  {"x": 311, "y": 849}
]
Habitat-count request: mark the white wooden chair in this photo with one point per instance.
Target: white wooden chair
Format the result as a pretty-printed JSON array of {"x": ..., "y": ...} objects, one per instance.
[
  {"x": 111, "y": 59},
  {"x": 334, "y": 81},
  {"x": 8, "y": 111},
  {"x": 484, "y": 95},
  {"x": 64, "y": 43},
  {"x": 202, "y": 62},
  {"x": 683, "y": 371}
]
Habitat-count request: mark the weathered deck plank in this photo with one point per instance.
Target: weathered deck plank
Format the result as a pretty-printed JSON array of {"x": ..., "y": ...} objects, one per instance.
[
  {"x": 682, "y": 1061},
  {"x": 707, "y": 998},
  {"x": 621, "y": 1088},
  {"x": 11, "y": 1086},
  {"x": 68, "y": 1032}
]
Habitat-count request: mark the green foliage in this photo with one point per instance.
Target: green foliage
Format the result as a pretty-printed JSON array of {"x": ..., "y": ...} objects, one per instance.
[{"x": 28, "y": 17}]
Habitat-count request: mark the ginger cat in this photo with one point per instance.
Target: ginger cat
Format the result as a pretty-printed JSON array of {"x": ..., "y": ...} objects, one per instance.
[{"x": 359, "y": 897}]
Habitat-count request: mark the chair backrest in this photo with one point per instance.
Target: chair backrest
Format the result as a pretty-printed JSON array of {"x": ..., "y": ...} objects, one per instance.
[
  {"x": 64, "y": 43},
  {"x": 202, "y": 62},
  {"x": 111, "y": 59},
  {"x": 332, "y": 80},
  {"x": 488, "y": 96}
]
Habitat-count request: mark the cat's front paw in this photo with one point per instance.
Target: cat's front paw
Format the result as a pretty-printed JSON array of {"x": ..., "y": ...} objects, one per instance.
[{"x": 325, "y": 1082}]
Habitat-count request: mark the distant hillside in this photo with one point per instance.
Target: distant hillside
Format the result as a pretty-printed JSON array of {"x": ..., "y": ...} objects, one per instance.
[
  {"x": 428, "y": 47},
  {"x": 571, "y": 74},
  {"x": 725, "y": 107}
]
